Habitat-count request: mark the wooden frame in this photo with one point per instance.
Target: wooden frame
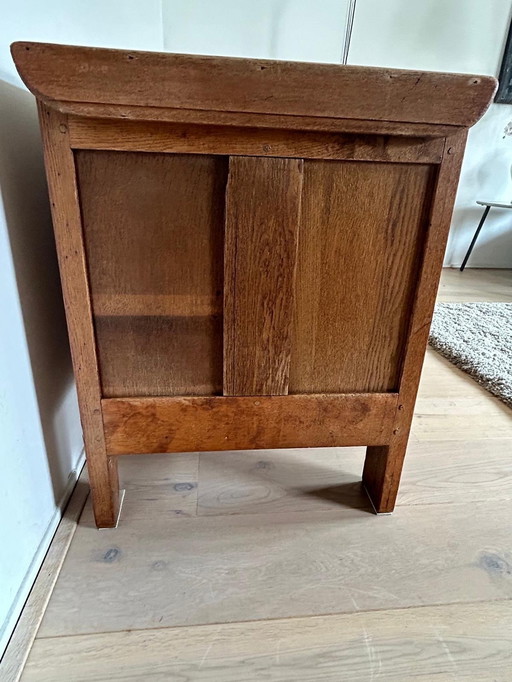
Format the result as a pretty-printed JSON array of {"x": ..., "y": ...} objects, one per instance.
[{"x": 285, "y": 132}]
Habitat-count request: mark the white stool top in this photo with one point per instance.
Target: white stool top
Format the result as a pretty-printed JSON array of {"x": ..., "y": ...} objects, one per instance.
[{"x": 492, "y": 203}]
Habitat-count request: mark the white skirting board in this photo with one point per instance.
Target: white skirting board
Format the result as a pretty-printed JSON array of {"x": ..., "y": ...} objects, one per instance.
[{"x": 31, "y": 575}]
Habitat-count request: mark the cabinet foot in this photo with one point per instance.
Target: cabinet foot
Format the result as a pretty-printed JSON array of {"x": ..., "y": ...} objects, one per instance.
[
  {"x": 104, "y": 482},
  {"x": 381, "y": 475}
]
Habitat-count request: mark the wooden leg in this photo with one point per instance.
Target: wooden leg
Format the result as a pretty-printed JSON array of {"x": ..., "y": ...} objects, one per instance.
[
  {"x": 381, "y": 474},
  {"x": 104, "y": 481}
]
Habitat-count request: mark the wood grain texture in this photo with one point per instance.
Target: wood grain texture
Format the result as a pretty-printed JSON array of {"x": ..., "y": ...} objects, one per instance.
[
  {"x": 464, "y": 642},
  {"x": 153, "y": 226},
  {"x": 153, "y": 355},
  {"x": 231, "y": 423},
  {"x": 179, "y": 201},
  {"x": 329, "y": 479},
  {"x": 475, "y": 285},
  {"x": 362, "y": 228},
  {"x": 162, "y": 305},
  {"x": 279, "y": 565},
  {"x": 452, "y": 407},
  {"x": 159, "y": 486},
  {"x": 250, "y": 120},
  {"x": 276, "y": 481},
  {"x": 56, "y": 72},
  {"x": 263, "y": 200},
  {"x": 60, "y": 171},
  {"x": 161, "y": 137},
  {"x": 383, "y": 464}
]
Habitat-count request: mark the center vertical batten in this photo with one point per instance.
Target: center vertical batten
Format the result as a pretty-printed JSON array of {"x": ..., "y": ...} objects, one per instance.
[{"x": 263, "y": 201}]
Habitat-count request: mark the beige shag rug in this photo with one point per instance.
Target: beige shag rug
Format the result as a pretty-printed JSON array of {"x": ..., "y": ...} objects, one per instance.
[{"x": 477, "y": 338}]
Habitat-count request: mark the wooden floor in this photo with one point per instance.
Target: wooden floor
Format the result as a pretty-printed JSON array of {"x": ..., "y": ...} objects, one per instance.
[{"x": 269, "y": 565}]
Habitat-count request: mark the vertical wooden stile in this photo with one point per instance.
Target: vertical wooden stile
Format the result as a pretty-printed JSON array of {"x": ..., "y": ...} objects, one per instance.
[
  {"x": 263, "y": 202},
  {"x": 60, "y": 171}
]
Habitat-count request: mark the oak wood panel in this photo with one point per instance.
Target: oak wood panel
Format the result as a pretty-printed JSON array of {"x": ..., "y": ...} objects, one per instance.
[
  {"x": 171, "y": 305},
  {"x": 153, "y": 226},
  {"x": 62, "y": 185},
  {"x": 160, "y": 355},
  {"x": 148, "y": 425},
  {"x": 383, "y": 464},
  {"x": 147, "y": 217},
  {"x": 463, "y": 642},
  {"x": 179, "y": 138},
  {"x": 362, "y": 228},
  {"x": 55, "y": 72},
  {"x": 263, "y": 200}
]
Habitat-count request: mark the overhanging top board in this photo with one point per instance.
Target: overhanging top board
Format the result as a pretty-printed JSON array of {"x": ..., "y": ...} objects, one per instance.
[{"x": 86, "y": 75}]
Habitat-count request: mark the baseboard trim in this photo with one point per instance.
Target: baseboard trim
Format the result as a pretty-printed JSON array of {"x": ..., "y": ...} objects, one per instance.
[{"x": 33, "y": 596}]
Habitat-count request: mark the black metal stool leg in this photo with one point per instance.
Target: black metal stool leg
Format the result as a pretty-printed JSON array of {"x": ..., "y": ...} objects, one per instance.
[{"x": 475, "y": 237}]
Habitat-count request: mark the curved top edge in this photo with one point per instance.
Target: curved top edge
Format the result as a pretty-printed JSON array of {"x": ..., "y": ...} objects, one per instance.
[{"x": 66, "y": 73}]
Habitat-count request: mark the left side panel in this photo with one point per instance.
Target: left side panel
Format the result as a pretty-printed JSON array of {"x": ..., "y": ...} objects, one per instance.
[{"x": 154, "y": 231}]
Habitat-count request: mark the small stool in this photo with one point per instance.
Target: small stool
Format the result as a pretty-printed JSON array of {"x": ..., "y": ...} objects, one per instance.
[{"x": 488, "y": 205}]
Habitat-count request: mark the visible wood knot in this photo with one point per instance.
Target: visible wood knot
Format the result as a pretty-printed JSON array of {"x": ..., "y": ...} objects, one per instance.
[
  {"x": 184, "y": 487},
  {"x": 63, "y": 128},
  {"x": 112, "y": 555}
]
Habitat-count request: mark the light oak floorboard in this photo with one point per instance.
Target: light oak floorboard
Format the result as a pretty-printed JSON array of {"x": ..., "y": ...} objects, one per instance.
[
  {"x": 442, "y": 380},
  {"x": 316, "y": 479},
  {"x": 450, "y": 471},
  {"x": 452, "y": 406},
  {"x": 273, "y": 534},
  {"x": 443, "y": 643},
  {"x": 457, "y": 471},
  {"x": 159, "y": 484},
  {"x": 171, "y": 571},
  {"x": 475, "y": 284}
]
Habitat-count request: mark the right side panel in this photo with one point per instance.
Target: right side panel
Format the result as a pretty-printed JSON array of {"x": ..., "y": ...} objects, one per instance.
[{"x": 360, "y": 243}]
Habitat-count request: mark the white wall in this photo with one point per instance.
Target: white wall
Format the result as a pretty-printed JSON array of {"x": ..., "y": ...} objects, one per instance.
[
  {"x": 466, "y": 36},
  {"x": 40, "y": 439},
  {"x": 274, "y": 29},
  {"x": 40, "y": 434}
]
